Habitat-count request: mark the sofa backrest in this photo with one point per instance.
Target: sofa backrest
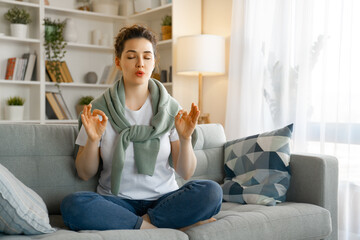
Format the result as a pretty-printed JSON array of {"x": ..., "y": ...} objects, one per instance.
[
  {"x": 209, "y": 151},
  {"x": 42, "y": 157}
]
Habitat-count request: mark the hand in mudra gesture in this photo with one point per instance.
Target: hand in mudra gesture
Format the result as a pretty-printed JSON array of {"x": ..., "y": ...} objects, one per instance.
[
  {"x": 185, "y": 123},
  {"x": 93, "y": 125}
]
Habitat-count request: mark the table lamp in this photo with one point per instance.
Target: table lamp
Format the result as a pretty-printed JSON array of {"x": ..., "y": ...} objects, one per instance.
[{"x": 201, "y": 55}]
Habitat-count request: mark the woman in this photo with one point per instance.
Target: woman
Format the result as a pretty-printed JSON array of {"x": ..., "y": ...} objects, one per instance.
[{"x": 131, "y": 133}]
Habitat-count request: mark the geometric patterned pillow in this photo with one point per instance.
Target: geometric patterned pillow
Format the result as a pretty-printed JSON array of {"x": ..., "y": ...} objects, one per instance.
[
  {"x": 22, "y": 211},
  {"x": 257, "y": 168}
]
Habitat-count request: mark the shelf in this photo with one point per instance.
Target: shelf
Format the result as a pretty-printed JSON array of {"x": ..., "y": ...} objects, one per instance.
[
  {"x": 165, "y": 43},
  {"x": 15, "y": 39},
  {"x": 20, "y": 82},
  {"x": 25, "y": 4},
  {"x": 89, "y": 46},
  {"x": 152, "y": 14},
  {"x": 83, "y": 55},
  {"x": 86, "y": 85},
  {"x": 87, "y": 14}
]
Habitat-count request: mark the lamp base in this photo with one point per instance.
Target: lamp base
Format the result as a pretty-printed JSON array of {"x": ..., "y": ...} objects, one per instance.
[{"x": 204, "y": 118}]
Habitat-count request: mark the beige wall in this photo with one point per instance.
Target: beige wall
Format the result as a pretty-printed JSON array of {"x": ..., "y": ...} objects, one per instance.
[
  {"x": 216, "y": 19},
  {"x": 206, "y": 17},
  {"x": 186, "y": 21}
]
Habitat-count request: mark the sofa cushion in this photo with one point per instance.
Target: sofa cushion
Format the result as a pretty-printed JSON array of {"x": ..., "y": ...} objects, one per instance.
[
  {"x": 257, "y": 168},
  {"x": 148, "y": 234},
  {"x": 22, "y": 211},
  {"x": 284, "y": 221},
  {"x": 44, "y": 161}
]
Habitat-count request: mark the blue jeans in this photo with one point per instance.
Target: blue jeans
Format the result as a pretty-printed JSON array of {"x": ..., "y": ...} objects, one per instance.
[{"x": 195, "y": 201}]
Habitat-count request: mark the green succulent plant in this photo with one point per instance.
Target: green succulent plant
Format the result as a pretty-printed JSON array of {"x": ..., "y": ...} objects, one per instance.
[
  {"x": 17, "y": 15},
  {"x": 166, "y": 21},
  {"x": 15, "y": 101},
  {"x": 54, "y": 45},
  {"x": 85, "y": 100}
]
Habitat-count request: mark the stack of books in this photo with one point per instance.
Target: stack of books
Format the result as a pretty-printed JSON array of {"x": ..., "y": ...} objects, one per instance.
[
  {"x": 65, "y": 75},
  {"x": 21, "y": 68},
  {"x": 110, "y": 75},
  {"x": 56, "y": 107}
]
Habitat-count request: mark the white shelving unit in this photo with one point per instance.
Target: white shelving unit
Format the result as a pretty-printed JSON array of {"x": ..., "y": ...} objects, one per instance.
[{"x": 81, "y": 57}]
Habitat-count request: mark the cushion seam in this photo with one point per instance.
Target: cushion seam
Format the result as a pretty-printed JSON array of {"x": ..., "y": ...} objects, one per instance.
[{"x": 258, "y": 223}]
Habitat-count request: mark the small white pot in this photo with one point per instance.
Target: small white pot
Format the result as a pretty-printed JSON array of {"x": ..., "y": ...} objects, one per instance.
[
  {"x": 18, "y": 30},
  {"x": 14, "y": 113}
]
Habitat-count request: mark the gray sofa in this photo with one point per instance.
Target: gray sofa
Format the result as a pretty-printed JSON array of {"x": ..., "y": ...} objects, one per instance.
[{"x": 42, "y": 157}]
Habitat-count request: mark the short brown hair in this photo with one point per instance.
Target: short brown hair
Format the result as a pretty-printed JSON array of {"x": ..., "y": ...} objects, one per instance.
[{"x": 135, "y": 31}]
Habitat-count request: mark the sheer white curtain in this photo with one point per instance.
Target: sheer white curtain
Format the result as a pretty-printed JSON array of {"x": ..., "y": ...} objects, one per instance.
[{"x": 298, "y": 61}]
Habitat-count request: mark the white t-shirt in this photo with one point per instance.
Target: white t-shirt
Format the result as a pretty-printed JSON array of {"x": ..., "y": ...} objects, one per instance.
[{"x": 134, "y": 185}]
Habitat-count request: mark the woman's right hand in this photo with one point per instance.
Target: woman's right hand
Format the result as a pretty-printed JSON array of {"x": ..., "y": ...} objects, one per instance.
[{"x": 91, "y": 121}]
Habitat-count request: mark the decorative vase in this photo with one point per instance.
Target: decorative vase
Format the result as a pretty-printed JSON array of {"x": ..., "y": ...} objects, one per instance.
[
  {"x": 14, "y": 113},
  {"x": 166, "y": 32},
  {"x": 91, "y": 77},
  {"x": 18, "y": 30},
  {"x": 70, "y": 33}
]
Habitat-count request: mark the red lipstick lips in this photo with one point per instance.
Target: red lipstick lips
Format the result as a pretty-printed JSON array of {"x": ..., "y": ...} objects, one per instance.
[{"x": 139, "y": 73}]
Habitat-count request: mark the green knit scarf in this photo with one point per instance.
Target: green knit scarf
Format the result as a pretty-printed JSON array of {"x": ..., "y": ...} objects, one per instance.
[{"x": 145, "y": 138}]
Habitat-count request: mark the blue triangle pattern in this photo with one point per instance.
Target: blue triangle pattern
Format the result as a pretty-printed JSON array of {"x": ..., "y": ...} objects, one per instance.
[
  {"x": 258, "y": 148},
  {"x": 228, "y": 172},
  {"x": 232, "y": 155},
  {"x": 276, "y": 162},
  {"x": 284, "y": 149},
  {"x": 271, "y": 182}
]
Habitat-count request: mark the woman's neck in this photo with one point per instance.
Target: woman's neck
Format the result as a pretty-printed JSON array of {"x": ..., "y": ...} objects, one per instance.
[{"x": 135, "y": 96}]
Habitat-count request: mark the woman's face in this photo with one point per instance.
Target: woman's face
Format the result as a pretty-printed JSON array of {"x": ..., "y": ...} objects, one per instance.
[{"x": 137, "y": 61}]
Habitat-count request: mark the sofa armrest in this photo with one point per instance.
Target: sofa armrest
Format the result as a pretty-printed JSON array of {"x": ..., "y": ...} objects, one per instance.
[{"x": 314, "y": 179}]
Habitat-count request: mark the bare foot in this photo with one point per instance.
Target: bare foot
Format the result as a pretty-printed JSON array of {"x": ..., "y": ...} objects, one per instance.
[
  {"x": 146, "y": 224},
  {"x": 198, "y": 224}
]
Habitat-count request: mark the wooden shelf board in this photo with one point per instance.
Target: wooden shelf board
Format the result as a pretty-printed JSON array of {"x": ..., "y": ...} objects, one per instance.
[
  {"x": 20, "y": 82},
  {"x": 25, "y": 40},
  {"x": 25, "y": 4},
  {"x": 82, "y": 85},
  {"x": 87, "y": 14},
  {"x": 152, "y": 13}
]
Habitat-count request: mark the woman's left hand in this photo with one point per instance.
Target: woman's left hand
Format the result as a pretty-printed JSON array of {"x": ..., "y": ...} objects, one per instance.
[{"x": 185, "y": 123}]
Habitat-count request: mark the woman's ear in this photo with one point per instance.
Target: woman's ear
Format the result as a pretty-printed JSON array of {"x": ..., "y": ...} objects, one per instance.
[{"x": 117, "y": 63}]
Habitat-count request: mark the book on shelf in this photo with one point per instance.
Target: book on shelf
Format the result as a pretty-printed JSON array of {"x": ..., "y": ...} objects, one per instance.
[
  {"x": 56, "y": 107},
  {"x": 30, "y": 66},
  {"x": 50, "y": 113},
  {"x": 65, "y": 75},
  {"x": 104, "y": 75},
  {"x": 60, "y": 99},
  {"x": 51, "y": 73},
  {"x": 53, "y": 110},
  {"x": 67, "y": 72},
  {"x": 113, "y": 75},
  {"x": 20, "y": 68},
  {"x": 10, "y": 68}
]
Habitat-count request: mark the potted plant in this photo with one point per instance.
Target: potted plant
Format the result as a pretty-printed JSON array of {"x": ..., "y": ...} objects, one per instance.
[
  {"x": 19, "y": 19},
  {"x": 15, "y": 108},
  {"x": 54, "y": 46},
  {"x": 166, "y": 28},
  {"x": 83, "y": 101}
]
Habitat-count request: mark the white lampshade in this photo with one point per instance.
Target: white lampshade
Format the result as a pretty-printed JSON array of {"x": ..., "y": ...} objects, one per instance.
[{"x": 201, "y": 53}]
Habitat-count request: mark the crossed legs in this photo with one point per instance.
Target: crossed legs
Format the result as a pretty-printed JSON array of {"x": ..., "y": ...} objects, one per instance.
[{"x": 193, "y": 204}]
